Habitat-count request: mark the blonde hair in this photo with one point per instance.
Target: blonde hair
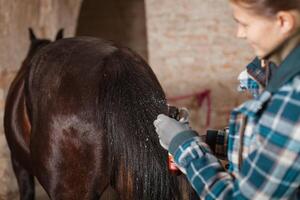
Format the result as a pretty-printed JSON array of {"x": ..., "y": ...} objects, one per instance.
[{"x": 269, "y": 7}]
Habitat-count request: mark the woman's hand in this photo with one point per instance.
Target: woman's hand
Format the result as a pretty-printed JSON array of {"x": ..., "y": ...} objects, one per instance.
[{"x": 167, "y": 128}]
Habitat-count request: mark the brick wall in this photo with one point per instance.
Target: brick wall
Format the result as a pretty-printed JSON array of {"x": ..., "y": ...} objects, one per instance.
[{"x": 192, "y": 47}]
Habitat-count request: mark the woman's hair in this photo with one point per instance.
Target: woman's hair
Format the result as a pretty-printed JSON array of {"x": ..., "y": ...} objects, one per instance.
[{"x": 269, "y": 7}]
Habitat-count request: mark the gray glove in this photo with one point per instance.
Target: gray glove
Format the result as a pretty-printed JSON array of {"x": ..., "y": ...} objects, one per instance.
[{"x": 167, "y": 128}]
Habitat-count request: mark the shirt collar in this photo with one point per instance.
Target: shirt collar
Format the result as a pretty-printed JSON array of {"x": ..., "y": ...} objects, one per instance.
[
  {"x": 255, "y": 70},
  {"x": 286, "y": 70}
]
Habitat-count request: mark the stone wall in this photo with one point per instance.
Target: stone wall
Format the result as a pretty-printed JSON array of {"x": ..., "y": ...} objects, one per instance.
[{"x": 192, "y": 47}]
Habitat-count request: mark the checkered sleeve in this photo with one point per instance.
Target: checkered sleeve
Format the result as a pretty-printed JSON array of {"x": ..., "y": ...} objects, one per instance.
[
  {"x": 270, "y": 171},
  {"x": 217, "y": 141}
]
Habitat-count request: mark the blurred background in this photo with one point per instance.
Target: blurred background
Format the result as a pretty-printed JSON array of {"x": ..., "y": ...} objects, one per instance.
[{"x": 190, "y": 45}]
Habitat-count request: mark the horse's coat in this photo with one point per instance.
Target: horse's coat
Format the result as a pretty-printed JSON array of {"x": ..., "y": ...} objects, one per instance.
[{"x": 79, "y": 117}]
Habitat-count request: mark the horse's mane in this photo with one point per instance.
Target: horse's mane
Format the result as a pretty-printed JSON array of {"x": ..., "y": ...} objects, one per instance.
[{"x": 126, "y": 99}]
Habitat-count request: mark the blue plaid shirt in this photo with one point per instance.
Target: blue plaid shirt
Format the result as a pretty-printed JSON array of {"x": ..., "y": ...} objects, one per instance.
[{"x": 263, "y": 145}]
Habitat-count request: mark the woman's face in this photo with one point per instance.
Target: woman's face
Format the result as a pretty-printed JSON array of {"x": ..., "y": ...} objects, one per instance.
[{"x": 261, "y": 32}]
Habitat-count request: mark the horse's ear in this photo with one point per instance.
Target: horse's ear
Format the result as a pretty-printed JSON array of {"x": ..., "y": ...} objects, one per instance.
[
  {"x": 60, "y": 34},
  {"x": 31, "y": 34}
]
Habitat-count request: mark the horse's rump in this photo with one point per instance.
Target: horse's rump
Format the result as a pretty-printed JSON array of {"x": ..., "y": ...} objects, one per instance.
[{"x": 92, "y": 104}]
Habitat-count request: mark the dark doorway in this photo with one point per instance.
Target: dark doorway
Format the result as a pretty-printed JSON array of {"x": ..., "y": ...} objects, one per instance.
[{"x": 121, "y": 21}]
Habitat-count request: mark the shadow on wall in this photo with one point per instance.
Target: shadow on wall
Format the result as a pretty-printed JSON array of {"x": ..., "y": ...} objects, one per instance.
[{"x": 121, "y": 21}]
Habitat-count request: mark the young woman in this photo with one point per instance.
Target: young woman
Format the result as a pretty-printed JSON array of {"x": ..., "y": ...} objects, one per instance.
[{"x": 264, "y": 133}]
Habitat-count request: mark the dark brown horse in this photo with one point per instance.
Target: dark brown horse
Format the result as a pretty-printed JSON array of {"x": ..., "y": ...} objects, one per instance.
[{"x": 79, "y": 116}]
